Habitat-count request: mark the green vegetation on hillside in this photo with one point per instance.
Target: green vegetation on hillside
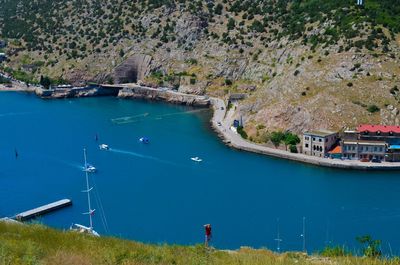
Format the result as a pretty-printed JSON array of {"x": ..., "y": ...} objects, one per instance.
[
  {"x": 35, "y": 244},
  {"x": 98, "y": 24}
]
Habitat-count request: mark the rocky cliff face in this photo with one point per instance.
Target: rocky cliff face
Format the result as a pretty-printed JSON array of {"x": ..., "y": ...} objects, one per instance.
[
  {"x": 134, "y": 68},
  {"x": 304, "y": 64}
]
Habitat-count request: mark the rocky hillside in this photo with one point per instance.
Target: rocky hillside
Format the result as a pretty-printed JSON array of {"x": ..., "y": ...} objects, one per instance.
[{"x": 306, "y": 64}]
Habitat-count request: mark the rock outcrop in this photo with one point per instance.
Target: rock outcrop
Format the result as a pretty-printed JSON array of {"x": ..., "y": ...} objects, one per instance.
[
  {"x": 164, "y": 95},
  {"x": 133, "y": 69}
]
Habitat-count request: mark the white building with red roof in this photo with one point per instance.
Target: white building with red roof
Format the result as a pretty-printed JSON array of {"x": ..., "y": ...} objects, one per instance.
[{"x": 372, "y": 143}]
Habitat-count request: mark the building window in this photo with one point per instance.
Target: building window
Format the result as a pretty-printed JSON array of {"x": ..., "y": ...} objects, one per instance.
[
  {"x": 361, "y": 148},
  {"x": 320, "y": 139},
  {"x": 375, "y": 149},
  {"x": 307, "y": 138},
  {"x": 306, "y": 145},
  {"x": 326, "y": 140},
  {"x": 313, "y": 138}
]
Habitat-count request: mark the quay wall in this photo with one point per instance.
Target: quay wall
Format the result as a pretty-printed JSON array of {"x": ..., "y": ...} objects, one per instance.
[
  {"x": 76, "y": 92},
  {"x": 140, "y": 92}
]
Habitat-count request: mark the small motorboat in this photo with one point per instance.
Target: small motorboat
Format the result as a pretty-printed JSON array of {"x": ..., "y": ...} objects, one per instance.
[
  {"x": 104, "y": 147},
  {"x": 144, "y": 140},
  {"x": 89, "y": 168},
  {"x": 196, "y": 159}
]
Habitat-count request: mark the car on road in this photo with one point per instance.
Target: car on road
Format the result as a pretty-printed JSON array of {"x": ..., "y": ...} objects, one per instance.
[
  {"x": 375, "y": 160},
  {"x": 219, "y": 123},
  {"x": 222, "y": 108}
]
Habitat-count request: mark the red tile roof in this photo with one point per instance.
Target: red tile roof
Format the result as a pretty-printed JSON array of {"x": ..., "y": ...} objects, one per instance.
[
  {"x": 336, "y": 150},
  {"x": 375, "y": 128}
]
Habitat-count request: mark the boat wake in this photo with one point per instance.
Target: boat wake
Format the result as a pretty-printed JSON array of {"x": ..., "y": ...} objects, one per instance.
[
  {"x": 141, "y": 117},
  {"x": 130, "y": 119},
  {"x": 125, "y": 152},
  {"x": 159, "y": 117},
  {"x": 14, "y": 114}
]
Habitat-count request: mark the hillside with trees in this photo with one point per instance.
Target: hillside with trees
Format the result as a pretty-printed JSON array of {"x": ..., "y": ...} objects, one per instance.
[{"x": 305, "y": 64}]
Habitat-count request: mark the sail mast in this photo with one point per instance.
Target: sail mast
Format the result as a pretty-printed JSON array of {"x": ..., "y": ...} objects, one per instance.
[
  {"x": 88, "y": 191},
  {"x": 278, "y": 239},
  {"x": 304, "y": 235}
]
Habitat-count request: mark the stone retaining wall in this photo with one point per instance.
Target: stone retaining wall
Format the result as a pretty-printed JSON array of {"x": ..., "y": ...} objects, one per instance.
[{"x": 140, "y": 92}]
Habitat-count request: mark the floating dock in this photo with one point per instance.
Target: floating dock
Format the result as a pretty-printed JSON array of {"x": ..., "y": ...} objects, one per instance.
[{"x": 43, "y": 209}]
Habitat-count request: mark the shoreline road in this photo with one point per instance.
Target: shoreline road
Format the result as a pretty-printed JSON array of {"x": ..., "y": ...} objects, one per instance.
[
  {"x": 222, "y": 120},
  {"x": 16, "y": 85}
]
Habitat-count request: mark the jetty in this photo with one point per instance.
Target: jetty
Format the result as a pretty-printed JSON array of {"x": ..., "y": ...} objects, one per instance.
[{"x": 43, "y": 209}]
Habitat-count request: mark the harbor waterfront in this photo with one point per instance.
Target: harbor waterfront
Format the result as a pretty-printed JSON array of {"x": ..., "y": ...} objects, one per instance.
[{"x": 155, "y": 193}]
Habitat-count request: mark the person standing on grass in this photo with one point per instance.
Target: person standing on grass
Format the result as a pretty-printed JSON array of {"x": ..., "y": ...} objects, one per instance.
[{"x": 207, "y": 228}]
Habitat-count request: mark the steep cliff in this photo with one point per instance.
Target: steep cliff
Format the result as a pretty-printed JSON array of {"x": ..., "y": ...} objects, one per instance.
[{"x": 304, "y": 64}]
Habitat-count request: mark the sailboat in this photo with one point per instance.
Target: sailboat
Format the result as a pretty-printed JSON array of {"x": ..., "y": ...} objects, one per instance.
[{"x": 82, "y": 228}]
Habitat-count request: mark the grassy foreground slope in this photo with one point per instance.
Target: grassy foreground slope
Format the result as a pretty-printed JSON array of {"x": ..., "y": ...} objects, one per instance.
[{"x": 35, "y": 244}]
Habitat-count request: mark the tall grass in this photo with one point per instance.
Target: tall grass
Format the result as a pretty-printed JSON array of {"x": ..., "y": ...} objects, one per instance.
[{"x": 36, "y": 244}]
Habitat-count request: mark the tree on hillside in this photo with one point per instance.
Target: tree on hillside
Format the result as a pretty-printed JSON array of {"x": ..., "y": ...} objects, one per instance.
[
  {"x": 231, "y": 24},
  {"x": 276, "y": 138},
  {"x": 45, "y": 81},
  {"x": 291, "y": 139}
]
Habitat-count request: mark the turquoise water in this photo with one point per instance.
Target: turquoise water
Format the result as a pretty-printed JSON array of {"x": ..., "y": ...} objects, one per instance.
[{"x": 155, "y": 193}]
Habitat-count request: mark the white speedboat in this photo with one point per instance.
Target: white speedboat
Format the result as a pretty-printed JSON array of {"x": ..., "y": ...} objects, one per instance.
[
  {"x": 196, "y": 159},
  {"x": 104, "y": 147},
  {"x": 89, "y": 168},
  {"x": 144, "y": 140}
]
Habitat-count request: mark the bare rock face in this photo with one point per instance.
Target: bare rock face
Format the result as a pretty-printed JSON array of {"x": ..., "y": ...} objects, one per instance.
[
  {"x": 188, "y": 30},
  {"x": 78, "y": 77},
  {"x": 186, "y": 87},
  {"x": 133, "y": 69}
]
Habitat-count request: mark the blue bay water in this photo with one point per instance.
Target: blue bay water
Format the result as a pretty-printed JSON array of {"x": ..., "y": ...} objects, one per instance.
[{"x": 155, "y": 193}]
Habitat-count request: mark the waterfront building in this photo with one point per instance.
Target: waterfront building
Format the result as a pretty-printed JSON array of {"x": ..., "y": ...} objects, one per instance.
[
  {"x": 336, "y": 152},
  {"x": 318, "y": 143},
  {"x": 364, "y": 150},
  {"x": 237, "y": 97},
  {"x": 386, "y": 133},
  {"x": 372, "y": 143}
]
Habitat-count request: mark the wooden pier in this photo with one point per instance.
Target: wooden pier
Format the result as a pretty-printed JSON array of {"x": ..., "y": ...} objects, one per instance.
[{"x": 43, "y": 209}]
